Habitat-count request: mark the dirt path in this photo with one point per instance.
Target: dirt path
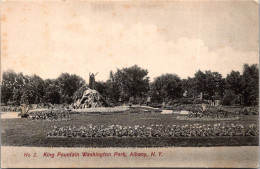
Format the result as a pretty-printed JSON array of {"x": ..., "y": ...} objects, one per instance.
[
  {"x": 14, "y": 115},
  {"x": 9, "y": 115}
]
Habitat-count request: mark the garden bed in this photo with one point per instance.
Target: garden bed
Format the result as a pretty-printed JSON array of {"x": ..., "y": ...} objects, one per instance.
[
  {"x": 205, "y": 118},
  {"x": 19, "y": 132}
]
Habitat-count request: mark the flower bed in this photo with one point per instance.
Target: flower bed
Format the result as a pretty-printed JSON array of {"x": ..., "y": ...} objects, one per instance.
[
  {"x": 194, "y": 130},
  {"x": 50, "y": 116},
  {"x": 205, "y": 118}
]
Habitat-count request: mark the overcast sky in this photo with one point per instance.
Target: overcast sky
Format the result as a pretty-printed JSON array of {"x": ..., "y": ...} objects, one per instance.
[{"x": 164, "y": 37}]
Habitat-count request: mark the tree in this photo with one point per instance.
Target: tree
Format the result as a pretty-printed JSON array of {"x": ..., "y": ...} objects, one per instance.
[
  {"x": 234, "y": 82},
  {"x": 113, "y": 93},
  {"x": 188, "y": 85},
  {"x": 28, "y": 89},
  {"x": 166, "y": 87},
  {"x": 28, "y": 94},
  {"x": 68, "y": 85},
  {"x": 102, "y": 88},
  {"x": 199, "y": 82},
  {"x": 250, "y": 84},
  {"x": 7, "y": 86},
  {"x": 209, "y": 83},
  {"x": 131, "y": 82},
  {"x": 12, "y": 84},
  {"x": 214, "y": 85},
  {"x": 37, "y": 84},
  {"x": 229, "y": 98},
  {"x": 51, "y": 92}
]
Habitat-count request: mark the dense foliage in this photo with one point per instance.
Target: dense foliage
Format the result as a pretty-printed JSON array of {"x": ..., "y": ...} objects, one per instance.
[
  {"x": 19, "y": 88},
  {"x": 132, "y": 85},
  {"x": 166, "y": 87}
]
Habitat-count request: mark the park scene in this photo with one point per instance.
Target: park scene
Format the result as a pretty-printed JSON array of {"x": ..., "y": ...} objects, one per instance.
[
  {"x": 130, "y": 110},
  {"x": 175, "y": 82}
]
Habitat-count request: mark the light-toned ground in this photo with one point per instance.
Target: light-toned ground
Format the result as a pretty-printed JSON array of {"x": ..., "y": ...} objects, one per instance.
[
  {"x": 246, "y": 157},
  {"x": 9, "y": 115},
  {"x": 102, "y": 109},
  {"x": 14, "y": 115}
]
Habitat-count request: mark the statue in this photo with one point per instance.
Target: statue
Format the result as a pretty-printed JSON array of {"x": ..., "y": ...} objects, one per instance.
[{"x": 92, "y": 80}]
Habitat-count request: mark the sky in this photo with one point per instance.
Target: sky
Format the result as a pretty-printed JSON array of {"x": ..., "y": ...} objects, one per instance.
[{"x": 181, "y": 37}]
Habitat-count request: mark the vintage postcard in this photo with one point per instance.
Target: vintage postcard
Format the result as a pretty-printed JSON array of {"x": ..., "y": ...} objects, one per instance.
[{"x": 143, "y": 83}]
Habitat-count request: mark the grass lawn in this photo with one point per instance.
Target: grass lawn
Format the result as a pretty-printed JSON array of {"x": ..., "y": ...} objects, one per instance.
[{"x": 21, "y": 132}]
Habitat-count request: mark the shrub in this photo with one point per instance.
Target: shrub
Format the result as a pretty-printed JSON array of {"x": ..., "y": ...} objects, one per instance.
[
  {"x": 199, "y": 101},
  {"x": 229, "y": 98}
]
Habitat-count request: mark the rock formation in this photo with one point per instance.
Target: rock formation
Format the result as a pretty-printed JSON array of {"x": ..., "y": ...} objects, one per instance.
[{"x": 90, "y": 99}]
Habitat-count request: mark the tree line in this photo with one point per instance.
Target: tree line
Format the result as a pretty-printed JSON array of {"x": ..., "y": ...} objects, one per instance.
[{"x": 132, "y": 85}]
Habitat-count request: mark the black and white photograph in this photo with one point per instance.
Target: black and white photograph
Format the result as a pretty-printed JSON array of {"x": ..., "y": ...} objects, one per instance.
[{"x": 143, "y": 83}]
